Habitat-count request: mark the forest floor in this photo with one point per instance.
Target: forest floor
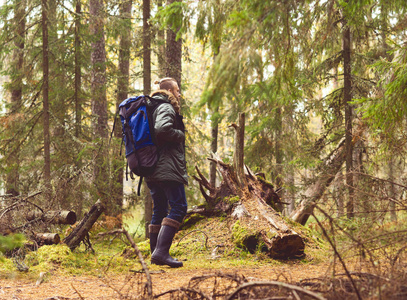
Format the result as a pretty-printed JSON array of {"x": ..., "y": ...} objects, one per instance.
[
  {"x": 212, "y": 262},
  {"x": 117, "y": 286}
]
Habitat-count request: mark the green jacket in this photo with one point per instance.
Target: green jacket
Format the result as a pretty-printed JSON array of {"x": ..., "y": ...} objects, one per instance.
[{"x": 170, "y": 135}]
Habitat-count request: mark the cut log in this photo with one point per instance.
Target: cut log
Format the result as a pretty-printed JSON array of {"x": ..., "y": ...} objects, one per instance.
[
  {"x": 53, "y": 217},
  {"x": 79, "y": 233},
  {"x": 47, "y": 238}
]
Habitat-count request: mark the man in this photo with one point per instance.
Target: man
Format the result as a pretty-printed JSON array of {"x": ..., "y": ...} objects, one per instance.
[{"x": 167, "y": 182}]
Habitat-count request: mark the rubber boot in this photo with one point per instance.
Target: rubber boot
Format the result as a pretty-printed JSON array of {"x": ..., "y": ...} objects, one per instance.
[
  {"x": 161, "y": 255},
  {"x": 153, "y": 231}
]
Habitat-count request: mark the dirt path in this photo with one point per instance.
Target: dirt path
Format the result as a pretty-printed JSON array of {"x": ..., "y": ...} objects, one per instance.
[{"x": 109, "y": 287}]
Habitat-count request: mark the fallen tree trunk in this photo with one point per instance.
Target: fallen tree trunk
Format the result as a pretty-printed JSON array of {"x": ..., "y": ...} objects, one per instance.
[
  {"x": 331, "y": 167},
  {"x": 254, "y": 208},
  {"x": 53, "y": 217},
  {"x": 80, "y": 232},
  {"x": 253, "y": 202}
]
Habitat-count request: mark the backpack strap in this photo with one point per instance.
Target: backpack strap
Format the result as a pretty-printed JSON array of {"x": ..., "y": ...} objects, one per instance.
[{"x": 139, "y": 185}]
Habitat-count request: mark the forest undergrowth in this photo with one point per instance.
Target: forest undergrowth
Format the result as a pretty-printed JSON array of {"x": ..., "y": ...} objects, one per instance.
[{"x": 338, "y": 264}]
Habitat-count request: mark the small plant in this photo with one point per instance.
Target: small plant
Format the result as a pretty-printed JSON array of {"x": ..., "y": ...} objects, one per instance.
[{"x": 11, "y": 242}]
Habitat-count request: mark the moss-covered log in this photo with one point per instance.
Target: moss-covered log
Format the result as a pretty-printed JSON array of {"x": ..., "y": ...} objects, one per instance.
[{"x": 259, "y": 226}]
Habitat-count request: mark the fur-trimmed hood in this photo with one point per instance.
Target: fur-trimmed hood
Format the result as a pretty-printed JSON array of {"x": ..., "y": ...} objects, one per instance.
[{"x": 169, "y": 96}]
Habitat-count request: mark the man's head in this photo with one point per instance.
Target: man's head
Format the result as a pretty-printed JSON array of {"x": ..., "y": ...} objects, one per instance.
[{"x": 171, "y": 85}]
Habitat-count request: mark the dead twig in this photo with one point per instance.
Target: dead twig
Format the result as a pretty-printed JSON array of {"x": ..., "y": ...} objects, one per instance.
[
  {"x": 19, "y": 202},
  {"x": 187, "y": 291},
  {"x": 76, "y": 291},
  {"x": 291, "y": 287},
  {"x": 206, "y": 237},
  {"x": 338, "y": 255},
  {"x": 140, "y": 257}
]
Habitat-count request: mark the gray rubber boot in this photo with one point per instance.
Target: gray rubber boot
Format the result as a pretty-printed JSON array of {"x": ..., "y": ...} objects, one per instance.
[
  {"x": 161, "y": 255},
  {"x": 153, "y": 231}
]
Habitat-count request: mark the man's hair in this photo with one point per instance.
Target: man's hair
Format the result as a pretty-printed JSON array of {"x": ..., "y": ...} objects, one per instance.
[{"x": 166, "y": 83}]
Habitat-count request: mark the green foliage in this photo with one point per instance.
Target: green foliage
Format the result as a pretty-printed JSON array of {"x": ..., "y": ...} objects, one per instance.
[
  {"x": 175, "y": 16},
  {"x": 11, "y": 242}
]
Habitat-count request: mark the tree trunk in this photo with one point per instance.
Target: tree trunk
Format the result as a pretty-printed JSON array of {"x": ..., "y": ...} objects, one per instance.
[
  {"x": 393, "y": 192},
  {"x": 122, "y": 94},
  {"x": 173, "y": 53},
  {"x": 146, "y": 48},
  {"x": 148, "y": 201},
  {"x": 79, "y": 233},
  {"x": 161, "y": 48},
  {"x": 78, "y": 73},
  {"x": 78, "y": 196},
  {"x": 330, "y": 168},
  {"x": 45, "y": 101},
  {"x": 278, "y": 174},
  {"x": 99, "y": 102},
  {"x": 214, "y": 144},
  {"x": 347, "y": 90},
  {"x": 13, "y": 161},
  {"x": 238, "y": 157}
]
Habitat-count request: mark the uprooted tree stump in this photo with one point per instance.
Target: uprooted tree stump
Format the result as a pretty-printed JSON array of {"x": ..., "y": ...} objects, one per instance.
[
  {"x": 258, "y": 224},
  {"x": 253, "y": 202}
]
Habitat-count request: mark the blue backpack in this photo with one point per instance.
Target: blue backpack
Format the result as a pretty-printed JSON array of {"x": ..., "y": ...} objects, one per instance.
[{"x": 142, "y": 153}]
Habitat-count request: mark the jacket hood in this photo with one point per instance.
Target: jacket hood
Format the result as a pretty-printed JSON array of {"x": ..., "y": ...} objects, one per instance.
[{"x": 169, "y": 96}]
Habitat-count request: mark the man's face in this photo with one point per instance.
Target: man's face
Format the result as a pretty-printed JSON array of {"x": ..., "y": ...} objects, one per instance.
[{"x": 175, "y": 91}]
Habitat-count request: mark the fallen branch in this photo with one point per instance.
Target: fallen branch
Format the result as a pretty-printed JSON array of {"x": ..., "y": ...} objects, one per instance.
[
  {"x": 287, "y": 286},
  {"x": 80, "y": 232},
  {"x": 140, "y": 256}
]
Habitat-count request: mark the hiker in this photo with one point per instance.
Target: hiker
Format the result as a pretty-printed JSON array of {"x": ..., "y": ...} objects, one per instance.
[{"x": 167, "y": 182}]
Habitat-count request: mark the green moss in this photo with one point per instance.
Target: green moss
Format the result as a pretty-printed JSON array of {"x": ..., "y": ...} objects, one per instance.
[
  {"x": 244, "y": 237},
  {"x": 232, "y": 199},
  {"x": 192, "y": 220}
]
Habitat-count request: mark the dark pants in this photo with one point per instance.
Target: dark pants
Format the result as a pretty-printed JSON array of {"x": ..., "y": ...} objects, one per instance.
[{"x": 167, "y": 194}]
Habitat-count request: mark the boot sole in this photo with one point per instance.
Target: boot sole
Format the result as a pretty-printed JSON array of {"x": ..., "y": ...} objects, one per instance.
[{"x": 161, "y": 263}]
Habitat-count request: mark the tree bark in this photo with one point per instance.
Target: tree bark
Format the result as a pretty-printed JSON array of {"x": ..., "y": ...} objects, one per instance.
[
  {"x": 238, "y": 157},
  {"x": 347, "y": 90},
  {"x": 78, "y": 100},
  {"x": 146, "y": 48},
  {"x": 148, "y": 201},
  {"x": 122, "y": 94},
  {"x": 45, "y": 100},
  {"x": 161, "y": 48},
  {"x": 99, "y": 102},
  {"x": 13, "y": 161},
  {"x": 214, "y": 145},
  {"x": 78, "y": 72},
  {"x": 79, "y": 233},
  {"x": 173, "y": 53},
  {"x": 278, "y": 174}
]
